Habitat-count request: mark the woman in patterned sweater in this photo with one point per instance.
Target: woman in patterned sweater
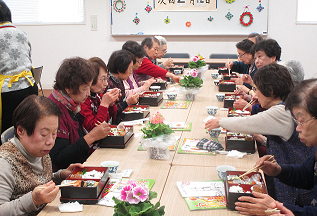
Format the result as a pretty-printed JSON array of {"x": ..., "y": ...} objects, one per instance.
[{"x": 25, "y": 162}]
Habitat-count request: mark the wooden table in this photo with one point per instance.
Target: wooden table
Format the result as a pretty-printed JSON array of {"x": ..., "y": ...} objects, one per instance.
[
  {"x": 180, "y": 167},
  {"x": 207, "y": 61}
]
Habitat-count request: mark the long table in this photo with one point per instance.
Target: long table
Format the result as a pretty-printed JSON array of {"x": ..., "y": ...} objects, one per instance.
[
  {"x": 180, "y": 167},
  {"x": 207, "y": 61}
]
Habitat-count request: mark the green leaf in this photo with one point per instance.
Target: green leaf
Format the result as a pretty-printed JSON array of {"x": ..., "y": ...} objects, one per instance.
[
  {"x": 161, "y": 210},
  {"x": 152, "y": 195}
]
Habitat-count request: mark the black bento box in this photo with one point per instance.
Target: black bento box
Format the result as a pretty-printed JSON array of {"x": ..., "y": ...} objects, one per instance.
[
  {"x": 222, "y": 70},
  {"x": 151, "y": 98},
  {"x": 227, "y": 86},
  {"x": 177, "y": 69},
  {"x": 130, "y": 115},
  {"x": 85, "y": 195},
  {"x": 241, "y": 142},
  {"x": 163, "y": 85},
  {"x": 112, "y": 141},
  {"x": 232, "y": 197},
  {"x": 226, "y": 76},
  {"x": 230, "y": 99}
]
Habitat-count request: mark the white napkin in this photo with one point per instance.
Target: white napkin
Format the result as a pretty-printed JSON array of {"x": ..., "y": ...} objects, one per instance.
[
  {"x": 71, "y": 207},
  {"x": 208, "y": 118},
  {"x": 236, "y": 154},
  {"x": 135, "y": 122}
]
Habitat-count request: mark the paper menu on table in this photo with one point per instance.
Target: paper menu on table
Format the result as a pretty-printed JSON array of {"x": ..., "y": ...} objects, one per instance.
[
  {"x": 201, "y": 189},
  {"x": 190, "y": 145},
  {"x": 176, "y": 125}
]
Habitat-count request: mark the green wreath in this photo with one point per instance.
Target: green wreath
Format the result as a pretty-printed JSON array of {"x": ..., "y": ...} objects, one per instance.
[{"x": 115, "y": 5}]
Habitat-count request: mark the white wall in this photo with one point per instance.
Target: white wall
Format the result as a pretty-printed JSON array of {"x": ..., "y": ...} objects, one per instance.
[{"x": 51, "y": 44}]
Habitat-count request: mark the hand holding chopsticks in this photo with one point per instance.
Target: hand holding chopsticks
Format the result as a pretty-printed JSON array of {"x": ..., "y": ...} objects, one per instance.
[
  {"x": 257, "y": 167},
  {"x": 252, "y": 102},
  {"x": 61, "y": 185}
]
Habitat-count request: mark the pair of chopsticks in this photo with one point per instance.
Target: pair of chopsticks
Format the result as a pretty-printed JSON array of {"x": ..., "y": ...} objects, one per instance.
[
  {"x": 275, "y": 210},
  {"x": 257, "y": 167},
  {"x": 98, "y": 123},
  {"x": 62, "y": 185},
  {"x": 252, "y": 102}
]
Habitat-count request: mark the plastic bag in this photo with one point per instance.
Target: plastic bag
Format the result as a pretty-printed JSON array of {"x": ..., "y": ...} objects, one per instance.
[{"x": 157, "y": 147}]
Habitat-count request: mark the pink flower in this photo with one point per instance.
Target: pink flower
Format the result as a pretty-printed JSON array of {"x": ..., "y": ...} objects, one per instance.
[
  {"x": 194, "y": 73},
  {"x": 123, "y": 196},
  {"x": 132, "y": 199},
  {"x": 157, "y": 118},
  {"x": 195, "y": 58},
  {"x": 141, "y": 193}
]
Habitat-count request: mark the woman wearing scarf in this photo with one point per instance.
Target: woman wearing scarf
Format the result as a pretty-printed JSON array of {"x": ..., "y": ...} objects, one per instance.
[{"x": 72, "y": 86}]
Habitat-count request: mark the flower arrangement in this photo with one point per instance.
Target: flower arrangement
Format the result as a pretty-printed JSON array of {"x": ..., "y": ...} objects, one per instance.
[
  {"x": 190, "y": 80},
  {"x": 156, "y": 127},
  {"x": 135, "y": 200},
  {"x": 197, "y": 62}
]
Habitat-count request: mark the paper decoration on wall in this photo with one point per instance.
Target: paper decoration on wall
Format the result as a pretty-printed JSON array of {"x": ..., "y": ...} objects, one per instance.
[
  {"x": 229, "y": 15},
  {"x": 136, "y": 19},
  {"x": 210, "y": 18},
  {"x": 167, "y": 20},
  {"x": 230, "y": 1},
  {"x": 260, "y": 7},
  {"x": 188, "y": 24},
  {"x": 148, "y": 8},
  {"x": 119, "y": 5},
  {"x": 246, "y": 13}
]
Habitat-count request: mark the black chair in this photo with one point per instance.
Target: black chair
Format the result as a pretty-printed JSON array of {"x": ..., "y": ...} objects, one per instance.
[
  {"x": 178, "y": 55},
  {"x": 220, "y": 56}
]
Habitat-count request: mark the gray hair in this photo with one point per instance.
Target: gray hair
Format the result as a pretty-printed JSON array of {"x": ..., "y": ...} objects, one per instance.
[
  {"x": 161, "y": 39},
  {"x": 295, "y": 69}
]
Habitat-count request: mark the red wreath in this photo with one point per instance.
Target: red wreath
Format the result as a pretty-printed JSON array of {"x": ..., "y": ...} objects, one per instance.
[{"x": 246, "y": 14}]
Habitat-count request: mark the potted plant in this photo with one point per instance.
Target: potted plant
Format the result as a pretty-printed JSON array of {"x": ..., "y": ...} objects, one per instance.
[
  {"x": 199, "y": 64},
  {"x": 191, "y": 84},
  {"x": 135, "y": 200},
  {"x": 157, "y": 137}
]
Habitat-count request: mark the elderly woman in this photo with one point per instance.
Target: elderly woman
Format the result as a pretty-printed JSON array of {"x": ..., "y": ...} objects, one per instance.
[
  {"x": 120, "y": 67},
  {"x": 24, "y": 160},
  {"x": 99, "y": 107},
  {"x": 161, "y": 52},
  {"x": 273, "y": 83},
  {"x": 72, "y": 86},
  {"x": 132, "y": 85},
  {"x": 302, "y": 102}
]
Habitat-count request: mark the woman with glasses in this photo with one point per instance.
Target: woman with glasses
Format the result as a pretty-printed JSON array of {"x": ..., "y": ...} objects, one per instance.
[
  {"x": 72, "y": 86},
  {"x": 99, "y": 107},
  {"x": 273, "y": 84},
  {"x": 120, "y": 67},
  {"x": 161, "y": 52},
  {"x": 132, "y": 85},
  {"x": 302, "y": 101},
  {"x": 246, "y": 64}
]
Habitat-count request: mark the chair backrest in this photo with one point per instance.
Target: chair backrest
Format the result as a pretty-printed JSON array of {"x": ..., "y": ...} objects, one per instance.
[
  {"x": 37, "y": 73},
  {"x": 7, "y": 134},
  {"x": 177, "y": 55},
  {"x": 220, "y": 56}
]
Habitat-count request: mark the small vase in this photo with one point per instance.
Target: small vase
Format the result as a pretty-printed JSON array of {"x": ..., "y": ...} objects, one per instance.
[
  {"x": 158, "y": 153},
  {"x": 190, "y": 97}
]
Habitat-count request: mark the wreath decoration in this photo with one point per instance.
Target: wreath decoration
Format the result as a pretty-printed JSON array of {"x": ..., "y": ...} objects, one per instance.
[
  {"x": 188, "y": 24},
  {"x": 167, "y": 20},
  {"x": 246, "y": 13},
  {"x": 136, "y": 19},
  {"x": 117, "y": 7}
]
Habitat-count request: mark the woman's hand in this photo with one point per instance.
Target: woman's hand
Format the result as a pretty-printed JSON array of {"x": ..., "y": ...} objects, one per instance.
[
  {"x": 99, "y": 132},
  {"x": 247, "y": 79},
  {"x": 68, "y": 171},
  {"x": 132, "y": 99},
  {"x": 172, "y": 76},
  {"x": 212, "y": 123},
  {"x": 256, "y": 205},
  {"x": 110, "y": 97},
  {"x": 229, "y": 65},
  {"x": 238, "y": 81},
  {"x": 240, "y": 104},
  {"x": 45, "y": 195},
  {"x": 148, "y": 83},
  {"x": 271, "y": 168},
  {"x": 244, "y": 89},
  {"x": 168, "y": 63}
]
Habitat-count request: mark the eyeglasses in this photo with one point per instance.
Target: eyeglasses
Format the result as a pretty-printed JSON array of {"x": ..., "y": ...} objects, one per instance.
[
  {"x": 301, "y": 123},
  {"x": 103, "y": 79},
  {"x": 239, "y": 56},
  {"x": 140, "y": 61},
  {"x": 164, "y": 51}
]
